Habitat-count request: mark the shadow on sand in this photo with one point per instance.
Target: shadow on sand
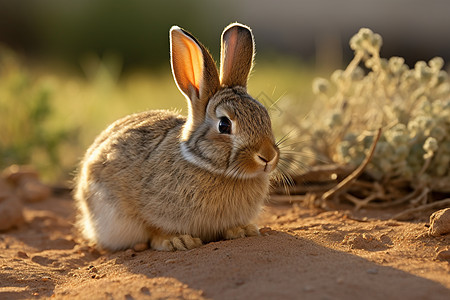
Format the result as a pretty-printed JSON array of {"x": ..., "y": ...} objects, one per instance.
[{"x": 281, "y": 266}]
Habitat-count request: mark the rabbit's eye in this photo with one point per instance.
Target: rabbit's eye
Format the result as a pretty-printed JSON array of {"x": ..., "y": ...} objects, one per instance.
[{"x": 225, "y": 125}]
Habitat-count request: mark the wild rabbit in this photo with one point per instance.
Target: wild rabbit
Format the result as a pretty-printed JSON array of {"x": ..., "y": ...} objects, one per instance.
[{"x": 175, "y": 181}]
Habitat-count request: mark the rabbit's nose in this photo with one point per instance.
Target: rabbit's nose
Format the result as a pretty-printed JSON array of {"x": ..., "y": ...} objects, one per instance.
[
  {"x": 267, "y": 154},
  {"x": 263, "y": 159},
  {"x": 266, "y": 159}
]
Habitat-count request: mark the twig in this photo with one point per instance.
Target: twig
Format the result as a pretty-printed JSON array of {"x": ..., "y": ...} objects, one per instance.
[
  {"x": 377, "y": 193},
  {"x": 365, "y": 184},
  {"x": 440, "y": 185},
  {"x": 422, "y": 198},
  {"x": 323, "y": 173},
  {"x": 348, "y": 180},
  {"x": 303, "y": 189},
  {"x": 416, "y": 193},
  {"x": 405, "y": 215},
  {"x": 359, "y": 203},
  {"x": 287, "y": 198}
]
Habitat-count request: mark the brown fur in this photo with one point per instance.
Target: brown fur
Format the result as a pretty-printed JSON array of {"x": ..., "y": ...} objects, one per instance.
[{"x": 177, "y": 181}]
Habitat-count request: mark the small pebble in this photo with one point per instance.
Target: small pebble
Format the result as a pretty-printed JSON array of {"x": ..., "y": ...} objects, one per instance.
[
  {"x": 443, "y": 255},
  {"x": 32, "y": 190},
  {"x": 170, "y": 261},
  {"x": 16, "y": 173},
  {"x": 440, "y": 222},
  {"x": 130, "y": 252},
  {"x": 26, "y": 181},
  {"x": 372, "y": 271},
  {"x": 22, "y": 254},
  {"x": 11, "y": 208},
  {"x": 128, "y": 297},
  {"x": 239, "y": 282},
  {"x": 145, "y": 290}
]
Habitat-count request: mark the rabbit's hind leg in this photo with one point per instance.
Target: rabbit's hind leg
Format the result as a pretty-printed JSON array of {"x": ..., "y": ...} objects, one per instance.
[{"x": 107, "y": 226}]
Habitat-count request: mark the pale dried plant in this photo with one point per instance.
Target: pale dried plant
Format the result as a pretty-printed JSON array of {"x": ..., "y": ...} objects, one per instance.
[{"x": 412, "y": 106}]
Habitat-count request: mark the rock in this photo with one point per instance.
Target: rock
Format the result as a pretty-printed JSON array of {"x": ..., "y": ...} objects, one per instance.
[
  {"x": 443, "y": 255},
  {"x": 32, "y": 190},
  {"x": 129, "y": 253},
  {"x": 22, "y": 254},
  {"x": 440, "y": 222},
  {"x": 145, "y": 290},
  {"x": 11, "y": 210},
  {"x": 26, "y": 181},
  {"x": 15, "y": 173}
]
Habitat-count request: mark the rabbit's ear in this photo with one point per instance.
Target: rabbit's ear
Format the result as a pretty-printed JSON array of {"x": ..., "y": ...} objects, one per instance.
[
  {"x": 236, "y": 55},
  {"x": 193, "y": 68}
]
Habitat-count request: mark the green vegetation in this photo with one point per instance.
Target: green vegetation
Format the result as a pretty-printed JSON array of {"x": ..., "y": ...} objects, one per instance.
[{"x": 28, "y": 132}]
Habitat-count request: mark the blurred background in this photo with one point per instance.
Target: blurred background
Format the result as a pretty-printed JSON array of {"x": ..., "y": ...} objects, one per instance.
[{"x": 69, "y": 68}]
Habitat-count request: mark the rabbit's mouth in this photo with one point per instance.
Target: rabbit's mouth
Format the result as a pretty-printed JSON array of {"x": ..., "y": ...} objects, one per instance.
[
  {"x": 250, "y": 163},
  {"x": 267, "y": 156},
  {"x": 266, "y": 165},
  {"x": 252, "y": 167}
]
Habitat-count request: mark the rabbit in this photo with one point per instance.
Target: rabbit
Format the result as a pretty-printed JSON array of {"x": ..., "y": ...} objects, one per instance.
[{"x": 177, "y": 182}]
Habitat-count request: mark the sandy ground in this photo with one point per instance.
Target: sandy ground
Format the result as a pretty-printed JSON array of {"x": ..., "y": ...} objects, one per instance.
[{"x": 302, "y": 254}]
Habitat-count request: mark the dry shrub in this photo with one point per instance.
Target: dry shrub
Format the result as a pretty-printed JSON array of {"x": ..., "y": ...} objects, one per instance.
[{"x": 410, "y": 163}]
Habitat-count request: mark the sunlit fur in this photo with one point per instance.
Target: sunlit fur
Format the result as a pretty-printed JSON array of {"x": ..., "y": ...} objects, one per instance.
[
  {"x": 251, "y": 129},
  {"x": 154, "y": 176}
]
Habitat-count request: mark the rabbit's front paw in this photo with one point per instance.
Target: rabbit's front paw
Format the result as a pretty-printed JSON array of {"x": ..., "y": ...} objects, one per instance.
[
  {"x": 241, "y": 231},
  {"x": 173, "y": 243}
]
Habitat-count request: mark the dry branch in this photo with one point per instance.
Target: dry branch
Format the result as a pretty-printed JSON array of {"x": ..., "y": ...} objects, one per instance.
[
  {"x": 409, "y": 213},
  {"x": 344, "y": 184}
]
